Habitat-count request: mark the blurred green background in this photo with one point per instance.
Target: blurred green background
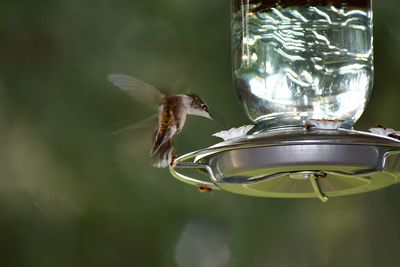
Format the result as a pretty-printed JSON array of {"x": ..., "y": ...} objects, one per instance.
[{"x": 70, "y": 195}]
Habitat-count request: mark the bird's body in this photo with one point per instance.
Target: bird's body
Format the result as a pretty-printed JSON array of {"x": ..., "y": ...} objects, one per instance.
[
  {"x": 172, "y": 113},
  {"x": 171, "y": 118}
]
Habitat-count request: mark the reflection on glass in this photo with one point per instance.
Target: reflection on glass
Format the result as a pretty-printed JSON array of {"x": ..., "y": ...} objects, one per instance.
[{"x": 296, "y": 60}]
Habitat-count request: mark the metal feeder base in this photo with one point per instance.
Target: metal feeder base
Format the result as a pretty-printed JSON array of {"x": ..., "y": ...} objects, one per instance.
[{"x": 297, "y": 164}]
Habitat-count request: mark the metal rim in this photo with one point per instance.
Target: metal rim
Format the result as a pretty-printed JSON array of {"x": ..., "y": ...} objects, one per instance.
[{"x": 191, "y": 160}]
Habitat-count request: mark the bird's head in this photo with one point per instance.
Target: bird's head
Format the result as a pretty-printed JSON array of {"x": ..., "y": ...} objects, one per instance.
[{"x": 196, "y": 106}]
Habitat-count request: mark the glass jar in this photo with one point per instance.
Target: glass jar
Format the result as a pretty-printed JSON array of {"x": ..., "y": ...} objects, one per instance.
[{"x": 302, "y": 60}]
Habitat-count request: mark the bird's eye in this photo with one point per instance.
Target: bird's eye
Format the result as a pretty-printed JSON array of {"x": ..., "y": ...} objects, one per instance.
[{"x": 204, "y": 107}]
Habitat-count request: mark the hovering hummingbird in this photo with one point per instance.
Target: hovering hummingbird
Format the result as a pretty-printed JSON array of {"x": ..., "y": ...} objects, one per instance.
[{"x": 172, "y": 113}]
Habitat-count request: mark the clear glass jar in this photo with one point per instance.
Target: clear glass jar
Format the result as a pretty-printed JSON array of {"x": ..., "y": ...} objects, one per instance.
[{"x": 301, "y": 60}]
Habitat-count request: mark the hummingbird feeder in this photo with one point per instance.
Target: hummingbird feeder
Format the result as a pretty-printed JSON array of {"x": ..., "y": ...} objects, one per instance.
[{"x": 303, "y": 72}]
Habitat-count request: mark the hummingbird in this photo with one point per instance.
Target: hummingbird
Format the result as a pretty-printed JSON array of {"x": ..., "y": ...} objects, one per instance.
[{"x": 172, "y": 112}]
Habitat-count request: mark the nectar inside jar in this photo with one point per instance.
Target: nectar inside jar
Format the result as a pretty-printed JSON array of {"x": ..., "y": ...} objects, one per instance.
[{"x": 301, "y": 60}]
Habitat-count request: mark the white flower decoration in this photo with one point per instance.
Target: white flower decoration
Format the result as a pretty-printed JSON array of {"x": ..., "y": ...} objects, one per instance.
[
  {"x": 325, "y": 124},
  {"x": 382, "y": 131},
  {"x": 234, "y": 132}
]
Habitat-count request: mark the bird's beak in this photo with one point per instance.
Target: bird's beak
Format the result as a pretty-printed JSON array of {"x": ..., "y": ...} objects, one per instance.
[{"x": 216, "y": 117}]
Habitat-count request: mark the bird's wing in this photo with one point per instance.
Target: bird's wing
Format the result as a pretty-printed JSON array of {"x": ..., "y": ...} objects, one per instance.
[
  {"x": 149, "y": 122},
  {"x": 137, "y": 89}
]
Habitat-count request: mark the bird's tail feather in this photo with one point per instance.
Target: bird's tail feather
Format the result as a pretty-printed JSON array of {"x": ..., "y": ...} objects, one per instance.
[{"x": 164, "y": 155}]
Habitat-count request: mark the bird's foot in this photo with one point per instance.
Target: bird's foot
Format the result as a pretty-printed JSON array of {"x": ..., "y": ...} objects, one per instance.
[{"x": 172, "y": 161}]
